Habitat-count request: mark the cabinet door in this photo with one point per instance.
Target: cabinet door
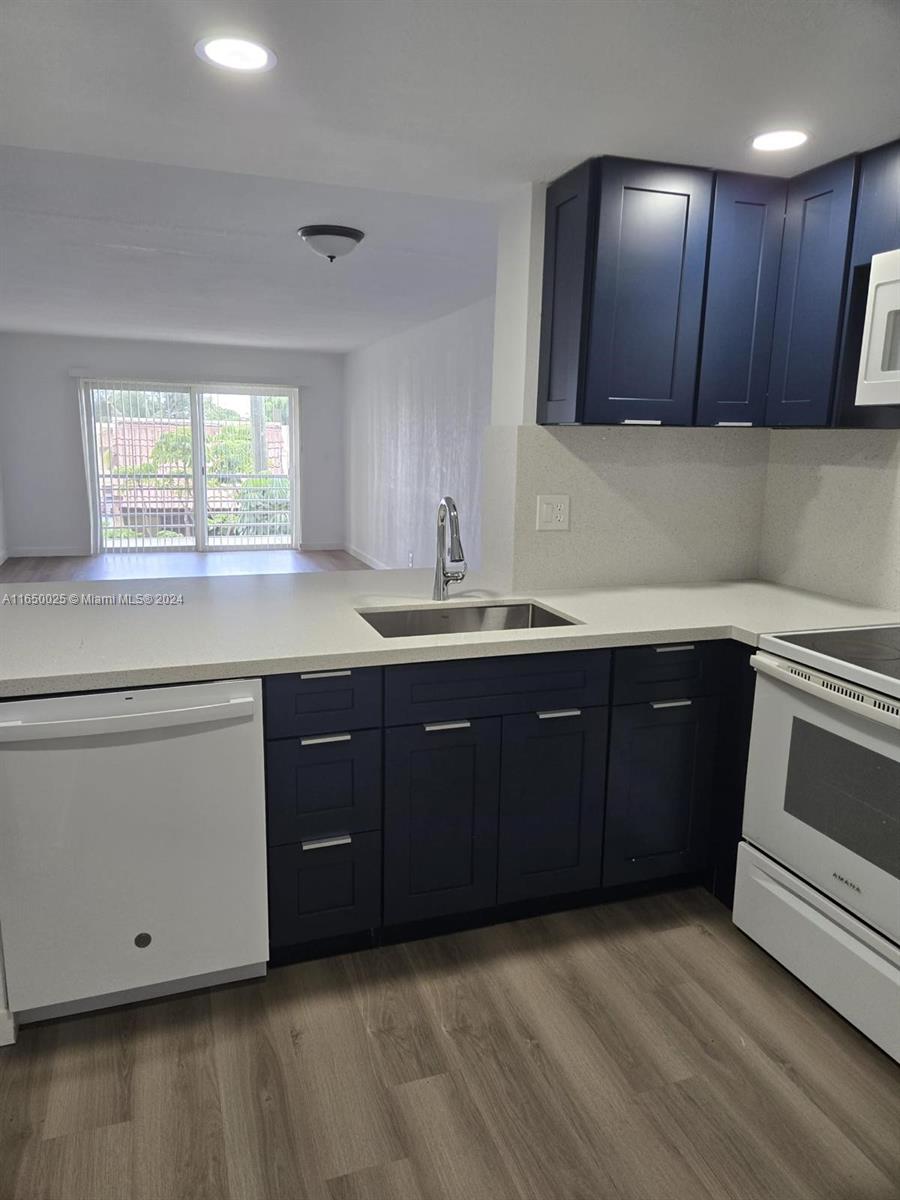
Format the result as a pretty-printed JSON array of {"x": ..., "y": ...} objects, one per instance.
[
  {"x": 442, "y": 784},
  {"x": 810, "y": 295},
  {"x": 876, "y": 228},
  {"x": 661, "y": 762},
  {"x": 568, "y": 249},
  {"x": 652, "y": 239},
  {"x": 552, "y": 796},
  {"x": 745, "y": 250}
]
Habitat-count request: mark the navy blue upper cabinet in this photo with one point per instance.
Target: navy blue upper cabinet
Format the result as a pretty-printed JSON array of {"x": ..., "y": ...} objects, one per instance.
[
  {"x": 745, "y": 251},
  {"x": 877, "y": 224},
  {"x": 568, "y": 272},
  {"x": 649, "y": 274},
  {"x": 876, "y": 228},
  {"x": 810, "y": 295}
]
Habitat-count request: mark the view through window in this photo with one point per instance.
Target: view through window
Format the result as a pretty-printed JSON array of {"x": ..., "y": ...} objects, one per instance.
[{"x": 194, "y": 467}]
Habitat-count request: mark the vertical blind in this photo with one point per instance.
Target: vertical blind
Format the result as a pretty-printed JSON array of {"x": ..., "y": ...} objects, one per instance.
[{"x": 191, "y": 467}]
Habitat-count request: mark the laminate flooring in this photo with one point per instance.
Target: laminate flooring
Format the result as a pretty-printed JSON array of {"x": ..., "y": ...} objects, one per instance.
[
  {"x": 643, "y": 1050},
  {"x": 176, "y": 564}
]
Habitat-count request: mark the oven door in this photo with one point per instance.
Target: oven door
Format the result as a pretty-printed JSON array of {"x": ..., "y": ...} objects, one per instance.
[{"x": 823, "y": 787}]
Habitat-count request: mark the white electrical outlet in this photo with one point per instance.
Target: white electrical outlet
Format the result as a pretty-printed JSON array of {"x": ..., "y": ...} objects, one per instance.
[{"x": 552, "y": 512}]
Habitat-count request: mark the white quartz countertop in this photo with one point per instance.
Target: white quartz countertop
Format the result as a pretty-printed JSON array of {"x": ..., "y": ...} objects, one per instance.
[{"x": 232, "y": 626}]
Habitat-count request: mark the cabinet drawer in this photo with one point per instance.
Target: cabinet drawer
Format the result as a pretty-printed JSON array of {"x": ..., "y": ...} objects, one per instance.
[
  {"x": 324, "y": 891},
  {"x": 326, "y": 783},
  {"x": 491, "y": 687},
  {"x": 322, "y": 702},
  {"x": 666, "y": 672}
]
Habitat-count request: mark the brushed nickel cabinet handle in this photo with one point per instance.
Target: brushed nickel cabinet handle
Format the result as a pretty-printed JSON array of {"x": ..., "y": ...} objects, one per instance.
[
  {"x": 325, "y": 739},
  {"x": 440, "y": 726},
  {"x": 559, "y": 712},
  {"x": 670, "y": 703},
  {"x": 323, "y": 843}
]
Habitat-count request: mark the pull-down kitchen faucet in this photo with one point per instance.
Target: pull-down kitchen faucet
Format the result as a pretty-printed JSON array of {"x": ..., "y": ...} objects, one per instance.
[{"x": 447, "y": 514}]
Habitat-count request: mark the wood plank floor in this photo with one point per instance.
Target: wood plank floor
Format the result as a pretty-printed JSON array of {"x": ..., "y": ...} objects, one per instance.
[
  {"x": 639, "y": 1051},
  {"x": 176, "y": 564}
]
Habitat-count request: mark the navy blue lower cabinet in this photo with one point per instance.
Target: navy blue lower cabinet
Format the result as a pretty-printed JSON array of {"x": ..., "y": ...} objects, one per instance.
[
  {"x": 661, "y": 770},
  {"x": 652, "y": 238},
  {"x": 810, "y": 300},
  {"x": 552, "y": 797},
  {"x": 744, "y": 254},
  {"x": 323, "y": 784},
  {"x": 324, "y": 888},
  {"x": 442, "y": 784}
]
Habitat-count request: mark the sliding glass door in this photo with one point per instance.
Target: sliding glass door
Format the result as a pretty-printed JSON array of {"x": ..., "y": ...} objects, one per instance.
[
  {"x": 195, "y": 467},
  {"x": 247, "y": 457}
]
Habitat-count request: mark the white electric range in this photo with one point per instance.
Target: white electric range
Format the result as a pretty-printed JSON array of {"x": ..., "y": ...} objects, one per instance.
[{"x": 818, "y": 879}]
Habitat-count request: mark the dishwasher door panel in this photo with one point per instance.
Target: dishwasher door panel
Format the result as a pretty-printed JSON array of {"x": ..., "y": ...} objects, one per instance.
[{"x": 132, "y": 840}]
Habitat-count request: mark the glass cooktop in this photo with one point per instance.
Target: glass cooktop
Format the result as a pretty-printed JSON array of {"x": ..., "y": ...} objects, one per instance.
[{"x": 876, "y": 648}]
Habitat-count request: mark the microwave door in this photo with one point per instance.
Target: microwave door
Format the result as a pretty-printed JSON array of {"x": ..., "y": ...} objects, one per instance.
[{"x": 879, "y": 364}]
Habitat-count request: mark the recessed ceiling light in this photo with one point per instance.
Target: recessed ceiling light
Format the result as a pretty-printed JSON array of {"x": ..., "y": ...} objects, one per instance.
[
  {"x": 235, "y": 54},
  {"x": 780, "y": 139}
]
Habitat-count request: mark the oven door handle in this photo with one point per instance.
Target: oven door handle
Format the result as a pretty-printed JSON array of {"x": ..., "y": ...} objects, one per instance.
[{"x": 849, "y": 696}]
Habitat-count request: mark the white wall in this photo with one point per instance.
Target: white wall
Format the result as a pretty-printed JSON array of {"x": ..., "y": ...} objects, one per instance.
[
  {"x": 832, "y": 513},
  {"x": 41, "y": 462},
  {"x": 417, "y": 406}
]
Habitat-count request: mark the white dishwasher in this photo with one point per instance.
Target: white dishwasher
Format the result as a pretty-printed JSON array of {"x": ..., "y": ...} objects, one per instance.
[{"x": 132, "y": 844}]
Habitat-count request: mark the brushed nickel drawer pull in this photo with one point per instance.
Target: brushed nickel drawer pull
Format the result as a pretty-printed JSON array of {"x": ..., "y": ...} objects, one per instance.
[
  {"x": 635, "y": 421},
  {"x": 734, "y": 424},
  {"x": 440, "y": 726},
  {"x": 324, "y": 674},
  {"x": 670, "y": 703},
  {"x": 324, "y": 843},
  {"x": 672, "y": 649},
  {"x": 559, "y": 712},
  {"x": 325, "y": 739}
]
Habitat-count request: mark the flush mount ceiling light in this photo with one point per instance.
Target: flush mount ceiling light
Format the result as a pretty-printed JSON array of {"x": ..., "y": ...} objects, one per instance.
[
  {"x": 235, "y": 54},
  {"x": 331, "y": 241},
  {"x": 780, "y": 139}
]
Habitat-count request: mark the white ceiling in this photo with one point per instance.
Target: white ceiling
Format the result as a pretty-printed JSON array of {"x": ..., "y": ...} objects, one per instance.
[
  {"x": 101, "y": 247},
  {"x": 450, "y": 97}
]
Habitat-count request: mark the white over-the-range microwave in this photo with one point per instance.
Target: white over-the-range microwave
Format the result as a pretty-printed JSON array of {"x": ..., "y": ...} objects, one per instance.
[{"x": 879, "y": 362}]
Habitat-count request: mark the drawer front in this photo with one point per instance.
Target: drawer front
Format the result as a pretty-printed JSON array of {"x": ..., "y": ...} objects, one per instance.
[
  {"x": 323, "y": 784},
  {"x": 322, "y": 702},
  {"x": 324, "y": 891},
  {"x": 491, "y": 687},
  {"x": 665, "y": 672}
]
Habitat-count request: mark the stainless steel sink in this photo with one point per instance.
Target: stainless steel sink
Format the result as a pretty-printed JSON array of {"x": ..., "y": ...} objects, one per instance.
[{"x": 462, "y": 618}]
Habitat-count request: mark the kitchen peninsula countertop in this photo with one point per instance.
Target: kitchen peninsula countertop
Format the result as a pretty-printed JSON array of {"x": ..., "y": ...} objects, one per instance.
[{"x": 233, "y": 626}]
